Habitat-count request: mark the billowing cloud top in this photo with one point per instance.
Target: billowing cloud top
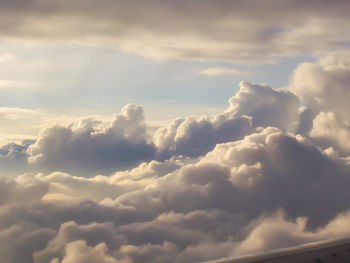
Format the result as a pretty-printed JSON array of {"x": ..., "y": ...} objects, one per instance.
[
  {"x": 92, "y": 150},
  {"x": 272, "y": 170},
  {"x": 212, "y": 30}
]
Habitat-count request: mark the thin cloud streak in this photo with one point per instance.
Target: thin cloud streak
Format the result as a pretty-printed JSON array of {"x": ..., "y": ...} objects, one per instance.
[{"x": 217, "y": 71}]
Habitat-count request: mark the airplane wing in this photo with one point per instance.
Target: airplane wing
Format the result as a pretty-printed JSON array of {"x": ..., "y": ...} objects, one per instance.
[{"x": 335, "y": 250}]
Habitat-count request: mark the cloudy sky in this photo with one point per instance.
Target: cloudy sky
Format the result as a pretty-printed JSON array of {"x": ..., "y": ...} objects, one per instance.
[{"x": 171, "y": 131}]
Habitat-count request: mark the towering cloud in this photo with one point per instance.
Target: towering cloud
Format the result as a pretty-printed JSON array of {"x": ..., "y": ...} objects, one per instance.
[
  {"x": 253, "y": 106},
  {"x": 325, "y": 88},
  {"x": 266, "y": 106}
]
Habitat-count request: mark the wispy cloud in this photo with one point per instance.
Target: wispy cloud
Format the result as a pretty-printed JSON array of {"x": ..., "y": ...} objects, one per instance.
[
  {"x": 6, "y": 57},
  {"x": 20, "y": 84},
  {"x": 217, "y": 71}
]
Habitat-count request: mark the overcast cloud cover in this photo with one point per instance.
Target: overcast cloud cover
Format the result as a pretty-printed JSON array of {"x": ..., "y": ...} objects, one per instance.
[
  {"x": 238, "y": 31},
  {"x": 271, "y": 170}
]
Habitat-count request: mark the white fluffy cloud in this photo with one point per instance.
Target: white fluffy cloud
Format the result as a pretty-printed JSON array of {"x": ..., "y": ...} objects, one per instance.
[
  {"x": 325, "y": 88},
  {"x": 329, "y": 131}
]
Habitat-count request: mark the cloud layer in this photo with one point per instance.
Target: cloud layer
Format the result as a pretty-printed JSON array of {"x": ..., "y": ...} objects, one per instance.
[
  {"x": 230, "y": 30},
  {"x": 272, "y": 170}
]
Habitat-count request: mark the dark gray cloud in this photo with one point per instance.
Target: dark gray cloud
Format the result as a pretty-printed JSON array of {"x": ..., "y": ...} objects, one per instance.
[{"x": 234, "y": 31}]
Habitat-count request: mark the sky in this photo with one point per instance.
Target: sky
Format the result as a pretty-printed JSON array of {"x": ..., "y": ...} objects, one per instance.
[{"x": 171, "y": 131}]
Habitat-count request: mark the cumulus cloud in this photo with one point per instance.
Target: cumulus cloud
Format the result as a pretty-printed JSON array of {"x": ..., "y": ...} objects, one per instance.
[
  {"x": 88, "y": 149},
  {"x": 328, "y": 131},
  {"x": 324, "y": 88},
  {"x": 13, "y": 158},
  {"x": 247, "y": 180},
  {"x": 79, "y": 252},
  {"x": 178, "y": 210},
  {"x": 253, "y": 106},
  {"x": 194, "y": 138},
  {"x": 266, "y": 106},
  {"x": 231, "y": 31},
  {"x": 277, "y": 232},
  {"x": 68, "y": 242}
]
